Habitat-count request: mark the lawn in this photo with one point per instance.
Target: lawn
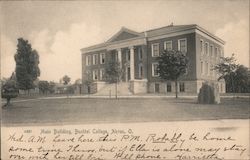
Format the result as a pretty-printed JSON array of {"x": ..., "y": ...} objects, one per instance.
[{"x": 85, "y": 111}]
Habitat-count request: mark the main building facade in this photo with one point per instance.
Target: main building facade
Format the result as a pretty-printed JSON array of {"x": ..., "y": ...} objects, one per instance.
[{"x": 138, "y": 52}]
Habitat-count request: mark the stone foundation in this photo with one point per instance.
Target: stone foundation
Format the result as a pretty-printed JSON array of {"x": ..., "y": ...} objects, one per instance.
[
  {"x": 138, "y": 86},
  {"x": 190, "y": 87}
]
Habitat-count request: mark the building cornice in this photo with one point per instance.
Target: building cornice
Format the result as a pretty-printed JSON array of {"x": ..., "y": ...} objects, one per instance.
[{"x": 142, "y": 39}]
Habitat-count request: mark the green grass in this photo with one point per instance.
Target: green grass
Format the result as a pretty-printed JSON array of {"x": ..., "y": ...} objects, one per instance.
[{"x": 85, "y": 111}]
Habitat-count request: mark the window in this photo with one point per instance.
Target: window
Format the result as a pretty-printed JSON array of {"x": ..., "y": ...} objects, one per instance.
[
  {"x": 202, "y": 69},
  {"x": 206, "y": 48},
  {"x": 102, "y": 74},
  {"x": 95, "y": 59},
  {"x": 140, "y": 70},
  {"x": 216, "y": 52},
  {"x": 140, "y": 53},
  {"x": 155, "y": 72},
  {"x": 182, "y": 87},
  {"x": 220, "y": 51},
  {"x": 102, "y": 58},
  {"x": 182, "y": 45},
  {"x": 128, "y": 55},
  {"x": 211, "y": 50},
  {"x": 155, "y": 50},
  {"x": 95, "y": 74},
  {"x": 201, "y": 46},
  {"x": 168, "y": 45},
  {"x": 211, "y": 70},
  {"x": 88, "y": 60},
  {"x": 207, "y": 69},
  {"x": 169, "y": 87}
]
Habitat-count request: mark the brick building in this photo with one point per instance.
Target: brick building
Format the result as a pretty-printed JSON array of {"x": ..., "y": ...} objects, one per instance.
[{"x": 137, "y": 53}]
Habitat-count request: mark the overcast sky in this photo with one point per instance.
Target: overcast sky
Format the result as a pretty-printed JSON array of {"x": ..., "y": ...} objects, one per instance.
[{"x": 58, "y": 30}]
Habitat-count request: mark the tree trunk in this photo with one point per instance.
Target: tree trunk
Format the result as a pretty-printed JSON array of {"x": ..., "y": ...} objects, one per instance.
[
  {"x": 176, "y": 89},
  {"x": 116, "y": 89},
  {"x": 8, "y": 102}
]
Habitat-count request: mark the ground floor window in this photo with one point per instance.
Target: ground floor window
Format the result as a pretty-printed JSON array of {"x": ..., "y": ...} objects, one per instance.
[
  {"x": 169, "y": 88},
  {"x": 140, "y": 70},
  {"x": 182, "y": 87},
  {"x": 157, "y": 87}
]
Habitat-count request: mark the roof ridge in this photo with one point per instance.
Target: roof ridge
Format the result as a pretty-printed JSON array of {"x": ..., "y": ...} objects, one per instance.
[{"x": 169, "y": 26}]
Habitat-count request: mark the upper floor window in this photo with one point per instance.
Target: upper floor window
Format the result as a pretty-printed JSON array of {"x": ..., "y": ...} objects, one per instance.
[
  {"x": 140, "y": 53},
  {"x": 102, "y": 58},
  {"x": 220, "y": 52},
  {"x": 206, "y": 48},
  {"x": 211, "y": 50},
  {"x": 201, "y": 46},
  {"x": 140, "y": 70},
  {"x": 95, "y": 59},
  {"x": 182, "y": 45},
  {"x": 202, "y": 68},
  {"x": 128, "y": 55},
  {"x": 155, "y": 50},
  {"x": 88, "y": 60},
  {"x": 207, "y": 68},
  {"x": 155, "y": 72},
  {"x": 216, "y": 52},
  {"x": 168, "y": 45}
]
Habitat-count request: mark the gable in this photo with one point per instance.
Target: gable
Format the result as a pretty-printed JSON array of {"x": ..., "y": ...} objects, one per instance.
[{"x": 123, "y": 36}]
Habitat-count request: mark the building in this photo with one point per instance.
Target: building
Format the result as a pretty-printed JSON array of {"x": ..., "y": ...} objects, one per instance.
[{"x": 138, "y": 52}]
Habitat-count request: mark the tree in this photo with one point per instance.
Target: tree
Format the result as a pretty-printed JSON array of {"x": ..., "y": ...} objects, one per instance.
[
  {"x": 227, "y": 71},
  {"x": 242, "y": 79},
  {"x": 113, "y": 73},
  {"x": 87, "y": 81},
  {"x": 43, "y": 86},
  {"x": 27, "y": 61},
  {"x": 66, "y": 79},
  {"x": 172, "y": 65},
  {"x": 9, "y": 89},
  {"x": 52, "y": 87}
]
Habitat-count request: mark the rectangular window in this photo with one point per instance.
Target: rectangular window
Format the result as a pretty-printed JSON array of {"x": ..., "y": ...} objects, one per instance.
[
  {"x": 102, "y": 58},
  {"x": 95, "y": 74},
  {"x": 95, "y": 59},
  {"x": 155, "y": 50},
  {"x": 207, "y": 69},
  {"x": 182, "y": 45},
  {"x": 140, "y": 70},
  {"x": 168, "y": 45},
  {"x": 211, "y": 50},
  {"x": 128, "y": 55},
  {"x": 202, "y": 69},
  {"x": 140, "y": 53},
  {"x": 88, "y": 60},
  {"x": 201, "y": 46},
  {"x": 155, "y": 72},
  {"x": 211, "y": 70},
  {"x": 206, "y": 48},
  {"x": 216, "y": 52},
  {"x": 182, "y": 87},
  {"x": 220, "y": 51},
  {"x": 102, "y": 74},
  {"x": 169, "y": 87}
]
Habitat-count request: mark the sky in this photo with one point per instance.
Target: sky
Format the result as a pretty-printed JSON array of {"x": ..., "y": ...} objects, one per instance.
[{"x": 59, "y": 29}]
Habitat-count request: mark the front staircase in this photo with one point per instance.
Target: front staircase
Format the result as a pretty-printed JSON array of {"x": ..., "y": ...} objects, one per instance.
[{"x": 109, "y": 90}]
